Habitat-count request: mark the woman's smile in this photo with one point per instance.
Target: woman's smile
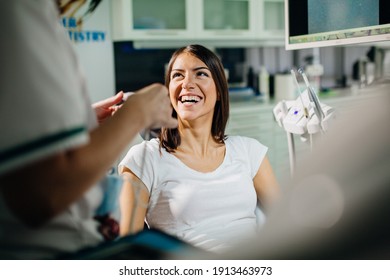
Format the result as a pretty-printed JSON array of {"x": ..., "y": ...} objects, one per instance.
[{"x": 189, "y": 99}]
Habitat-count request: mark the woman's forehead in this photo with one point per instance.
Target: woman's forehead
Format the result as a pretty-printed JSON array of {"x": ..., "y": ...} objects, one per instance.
[{"x": 187, "y": 59}]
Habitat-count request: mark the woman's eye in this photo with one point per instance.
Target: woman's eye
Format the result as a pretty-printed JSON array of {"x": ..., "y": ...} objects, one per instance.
[
  {"x": 175, "y": 75},
  {"x": 201, "y": 73}
]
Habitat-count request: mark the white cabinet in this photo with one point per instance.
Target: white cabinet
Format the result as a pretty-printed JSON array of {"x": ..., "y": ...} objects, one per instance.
[
  {"x": 152, "y": 19},
  {"x": 197, "y": 20},
  {"x": 225, "y": 19},
  {"x": 272, "y": 21}
]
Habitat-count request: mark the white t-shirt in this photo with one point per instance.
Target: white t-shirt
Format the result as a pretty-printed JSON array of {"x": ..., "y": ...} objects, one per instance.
[
  {"x": 44, "y": 109},
  {"x": 210, "y": 210}
]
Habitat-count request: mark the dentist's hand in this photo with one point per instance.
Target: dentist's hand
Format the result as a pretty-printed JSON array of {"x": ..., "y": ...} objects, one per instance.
[
  {"x": 154, "y": 105},
  {"x": 107, "y": 107}
]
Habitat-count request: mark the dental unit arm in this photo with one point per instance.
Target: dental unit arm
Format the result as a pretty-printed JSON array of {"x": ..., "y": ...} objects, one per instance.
[{"x": 304, "y": 116}]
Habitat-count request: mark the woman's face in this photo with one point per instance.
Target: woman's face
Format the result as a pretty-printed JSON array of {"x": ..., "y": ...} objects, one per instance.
[{"x": 192, "y": 89}]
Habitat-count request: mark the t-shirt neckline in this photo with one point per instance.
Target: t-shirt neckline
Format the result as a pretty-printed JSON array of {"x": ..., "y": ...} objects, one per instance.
[{"x": 191, "y": 170}]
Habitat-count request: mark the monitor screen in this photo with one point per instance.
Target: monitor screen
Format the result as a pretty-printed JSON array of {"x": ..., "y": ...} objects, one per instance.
[{"x": 319, "y": 23}]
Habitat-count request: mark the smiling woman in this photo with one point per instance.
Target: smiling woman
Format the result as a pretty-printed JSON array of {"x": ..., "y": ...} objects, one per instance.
[
  {"x": 194, "y": 182},
  {"x": 192, "y": 90},
  {"x": 207, "y": 71}
]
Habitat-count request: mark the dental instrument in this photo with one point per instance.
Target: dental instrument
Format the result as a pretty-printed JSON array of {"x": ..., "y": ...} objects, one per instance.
[{"x": 305, "y": 116}]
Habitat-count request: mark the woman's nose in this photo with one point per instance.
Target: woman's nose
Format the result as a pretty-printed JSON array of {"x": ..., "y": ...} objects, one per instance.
[{"x": 187, "y": 82}]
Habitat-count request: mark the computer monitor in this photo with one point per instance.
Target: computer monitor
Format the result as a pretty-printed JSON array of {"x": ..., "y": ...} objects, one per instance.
[{"x": 319, "y": 23}]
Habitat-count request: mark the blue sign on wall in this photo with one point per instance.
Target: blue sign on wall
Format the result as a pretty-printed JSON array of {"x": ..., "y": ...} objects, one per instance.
[{"x": 76, "y": 34}]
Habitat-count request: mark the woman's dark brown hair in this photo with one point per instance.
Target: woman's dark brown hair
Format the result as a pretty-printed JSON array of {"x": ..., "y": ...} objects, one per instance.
[{"x": 170, "y": 138}]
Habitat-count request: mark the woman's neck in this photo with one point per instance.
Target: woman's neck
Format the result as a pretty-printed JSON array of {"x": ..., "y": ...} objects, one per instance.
[
  {"x": 198, "y": 149},
  {"x": 196, "y": 139}
]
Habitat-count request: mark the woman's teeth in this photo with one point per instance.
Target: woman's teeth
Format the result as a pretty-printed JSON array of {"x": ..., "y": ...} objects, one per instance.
[{"x": 193, "y": 99}]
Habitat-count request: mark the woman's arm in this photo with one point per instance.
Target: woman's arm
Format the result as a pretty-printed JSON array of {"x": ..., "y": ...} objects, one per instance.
[
  {"x": 39, "y": 191},
  {"x": 266, "y": 185},
  {"x": 134, "y": 200}
]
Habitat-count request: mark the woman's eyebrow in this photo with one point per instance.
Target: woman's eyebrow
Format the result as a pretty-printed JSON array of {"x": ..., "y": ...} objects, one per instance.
[
  {"x": 201, "y": 67},
  {"x": 194, "y": 69}
]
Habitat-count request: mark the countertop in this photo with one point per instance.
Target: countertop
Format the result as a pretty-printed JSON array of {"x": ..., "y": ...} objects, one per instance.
[{"x": 244, "y": 97}]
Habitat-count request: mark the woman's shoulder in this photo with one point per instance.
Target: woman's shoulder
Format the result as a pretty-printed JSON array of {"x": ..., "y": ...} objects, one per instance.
[
  {"x": 144, "y": 148},
  {"x": 151, "y": 144},
  {"x": 238, "y": 139},
  {"x": 144, "y": 151},
  {"x": 244, "y": 143}
]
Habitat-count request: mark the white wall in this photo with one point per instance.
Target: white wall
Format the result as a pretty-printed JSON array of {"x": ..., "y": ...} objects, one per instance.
[{"x": 96, "y": 54}]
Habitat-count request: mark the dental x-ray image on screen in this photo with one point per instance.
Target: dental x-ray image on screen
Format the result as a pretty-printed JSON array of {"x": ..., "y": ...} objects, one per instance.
[
  {"x": 320, "y": 23},
  {"x": 343, "y": 14}
]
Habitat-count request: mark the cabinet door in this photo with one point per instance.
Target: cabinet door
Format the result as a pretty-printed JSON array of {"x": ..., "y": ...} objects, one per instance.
[
  {"x": 222, "y": 22},
  {"x": 272, "y": 21},
  {"x": 152, "y": 19},
  {"x": 227, "y": 19}
]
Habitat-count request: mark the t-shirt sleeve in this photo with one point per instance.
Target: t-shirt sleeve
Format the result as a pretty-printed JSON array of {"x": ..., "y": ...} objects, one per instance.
[
  {"x": 43, "y": 102},
  {"x": 256, "y": 153},
  {"x": 140, "y": 160}
]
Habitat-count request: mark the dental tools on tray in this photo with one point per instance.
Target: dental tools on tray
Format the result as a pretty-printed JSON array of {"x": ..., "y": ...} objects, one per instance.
[{"x": 305, "y": 116}]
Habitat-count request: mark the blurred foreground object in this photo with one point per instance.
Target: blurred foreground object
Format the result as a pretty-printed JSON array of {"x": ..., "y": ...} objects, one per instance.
[{"x": 337, "y": 206}]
